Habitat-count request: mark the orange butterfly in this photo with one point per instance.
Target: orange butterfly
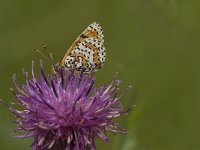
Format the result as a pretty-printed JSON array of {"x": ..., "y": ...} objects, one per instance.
[{"x": 86, "y": 52}]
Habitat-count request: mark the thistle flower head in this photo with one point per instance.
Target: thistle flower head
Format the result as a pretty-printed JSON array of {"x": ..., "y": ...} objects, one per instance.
[{"x": 66, "y": 110}]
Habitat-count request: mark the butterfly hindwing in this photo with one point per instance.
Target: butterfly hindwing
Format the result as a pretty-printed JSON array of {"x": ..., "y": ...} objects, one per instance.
[{"x": 87, "y": 51}]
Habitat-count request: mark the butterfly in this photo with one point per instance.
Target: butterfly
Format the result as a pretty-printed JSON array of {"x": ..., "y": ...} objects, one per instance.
[{"x": 86, "y": 52}]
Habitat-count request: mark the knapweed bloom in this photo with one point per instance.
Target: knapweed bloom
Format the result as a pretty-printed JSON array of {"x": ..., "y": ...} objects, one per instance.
[{"x": 66, "y": 111}]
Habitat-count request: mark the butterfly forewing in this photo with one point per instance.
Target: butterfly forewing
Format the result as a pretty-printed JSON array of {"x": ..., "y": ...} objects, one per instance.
[{"x": 87, "y": 51}]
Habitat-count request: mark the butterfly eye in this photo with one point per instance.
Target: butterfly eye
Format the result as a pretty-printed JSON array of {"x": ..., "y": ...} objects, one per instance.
[{"x": 56, "y": 67}]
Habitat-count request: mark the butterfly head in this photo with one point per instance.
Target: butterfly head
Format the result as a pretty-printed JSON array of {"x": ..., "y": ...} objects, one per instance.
[{"x": 56, "y": 68}]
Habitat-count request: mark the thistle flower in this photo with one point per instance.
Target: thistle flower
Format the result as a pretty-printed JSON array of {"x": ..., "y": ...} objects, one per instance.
[{"x": 66, "y": 110}]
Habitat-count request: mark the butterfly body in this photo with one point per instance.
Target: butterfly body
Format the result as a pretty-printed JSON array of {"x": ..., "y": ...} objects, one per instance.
[{"x": 86, "y": 52}]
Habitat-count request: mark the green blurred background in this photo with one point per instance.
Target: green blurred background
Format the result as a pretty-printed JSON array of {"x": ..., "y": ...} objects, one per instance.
[{"x": 153, "y": 44}]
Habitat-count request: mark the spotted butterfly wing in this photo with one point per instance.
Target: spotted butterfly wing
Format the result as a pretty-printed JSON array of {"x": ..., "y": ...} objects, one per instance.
[{"x": 87, "y": 51}]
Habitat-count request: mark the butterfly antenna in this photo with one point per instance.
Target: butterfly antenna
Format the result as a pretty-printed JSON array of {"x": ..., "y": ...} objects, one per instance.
[
  {"x": 37, "y": 50},
  {"x": 51, "y": 59},
  {"x": 45, "y": 47},
  {"x": 50, "y": 55}
]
